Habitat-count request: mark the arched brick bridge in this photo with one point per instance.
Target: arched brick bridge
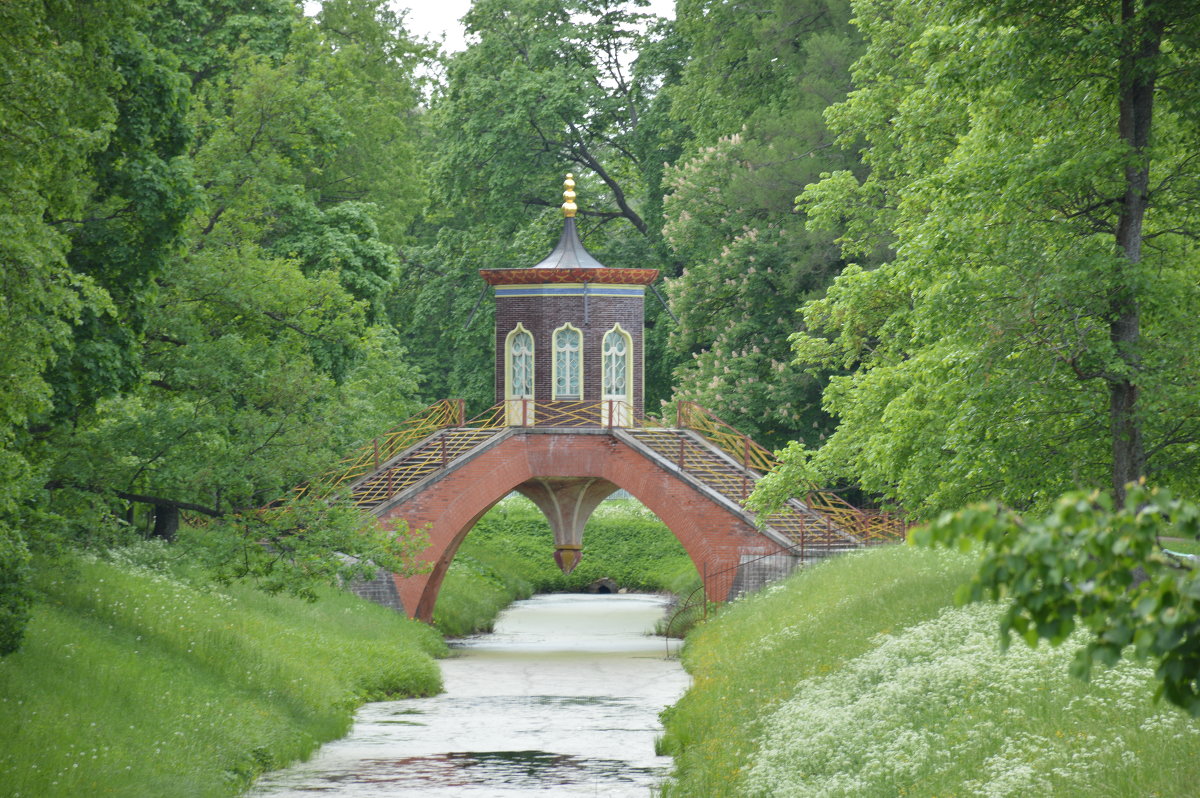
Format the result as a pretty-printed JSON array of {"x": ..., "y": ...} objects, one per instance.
[{"x": 441, "y": 473}]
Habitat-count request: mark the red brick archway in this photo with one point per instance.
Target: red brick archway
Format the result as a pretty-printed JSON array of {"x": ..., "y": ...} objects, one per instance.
[{"x": 448, "y": 508}]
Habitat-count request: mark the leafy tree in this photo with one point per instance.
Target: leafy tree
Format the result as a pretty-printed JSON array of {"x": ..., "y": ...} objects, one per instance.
[
  {"x": 750, "y": 260},
  {"x": 89, "y": 126},
  {"x": 121, "y": 239},
  {"x": 342, "y": 240},
  {"x": 545, "y": 88},
  {"x": 786, "y": 58},
  {"x": 1033, "y": 190},
  {"x": 1033, "y": 193},
  {"x": 368, "y": 64},
  {"x": 261, "y": 336},
  {"x": 198, "y": 250},
  {"x": 205, "y": 35},
  {"x": 447, "y": 318}
]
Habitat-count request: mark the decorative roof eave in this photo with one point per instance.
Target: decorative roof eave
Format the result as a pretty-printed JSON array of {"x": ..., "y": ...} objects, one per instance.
[{"x": 603, "y": 276}]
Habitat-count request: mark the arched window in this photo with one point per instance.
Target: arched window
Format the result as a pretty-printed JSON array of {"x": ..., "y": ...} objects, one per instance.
[
  {"x": 518, "y": 377},
  {"x": 568, "y": 363},
  {"x": 617, "y": 368}
]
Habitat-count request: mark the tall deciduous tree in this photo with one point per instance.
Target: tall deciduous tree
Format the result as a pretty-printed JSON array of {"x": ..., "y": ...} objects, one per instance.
[
  {"x": 750, "y": 261},
  {"x": 123, "y": 237},
  {"x": 92, "y": 195},
  {"x": 548, "y": 86},
  {"x": 267, "y": 325},
  {"x": 1033, "y": 180}
]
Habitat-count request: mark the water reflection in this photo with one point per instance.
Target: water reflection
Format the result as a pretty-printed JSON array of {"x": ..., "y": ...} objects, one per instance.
[{"x": 563, "y": 699}]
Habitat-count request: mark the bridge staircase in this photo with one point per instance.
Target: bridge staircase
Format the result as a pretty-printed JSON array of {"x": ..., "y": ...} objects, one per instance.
[
  {"x": 813, "y": 526},
  {"x": 796, "y": 526},
  {"x": 422, "y": 446},
  {"x": 699, "y": 445},
  {"x": 428, "y": 457}
]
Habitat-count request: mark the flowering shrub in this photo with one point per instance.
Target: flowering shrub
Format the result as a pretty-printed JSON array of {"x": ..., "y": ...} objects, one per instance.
[{"x": 938, "y": 707}]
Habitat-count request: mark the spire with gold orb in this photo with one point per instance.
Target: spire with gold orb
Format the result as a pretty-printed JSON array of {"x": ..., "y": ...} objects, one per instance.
[{"x": 569, "y": 207}]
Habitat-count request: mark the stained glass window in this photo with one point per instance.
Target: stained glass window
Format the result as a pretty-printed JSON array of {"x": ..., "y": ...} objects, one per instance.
[
  {"x": 616, "y": 363},
  {"x": 520, "y": 353},
  {"x": 568, "y": 366}
]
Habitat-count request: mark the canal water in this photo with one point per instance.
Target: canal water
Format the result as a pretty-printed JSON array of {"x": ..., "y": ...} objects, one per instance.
[{"x": 561, "y": 700}]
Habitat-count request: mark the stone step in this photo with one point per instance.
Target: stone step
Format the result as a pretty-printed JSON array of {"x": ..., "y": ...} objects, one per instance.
[
  {"x": 715, "y": 471},
  {"x": 438, "y": 451}
]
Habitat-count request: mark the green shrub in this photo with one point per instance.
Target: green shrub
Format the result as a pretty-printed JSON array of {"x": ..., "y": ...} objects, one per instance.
[{"x": 14, "y": 589}]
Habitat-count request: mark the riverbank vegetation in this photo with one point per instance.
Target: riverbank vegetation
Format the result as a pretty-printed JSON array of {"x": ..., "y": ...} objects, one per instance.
[
  {"x": 860, "y": 677},
  {"x": 138, "y": 680},
  {"x": 509, "y": 555}
]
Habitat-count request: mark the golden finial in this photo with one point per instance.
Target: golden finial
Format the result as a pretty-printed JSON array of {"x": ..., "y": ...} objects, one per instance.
[{"x": 569, "y": 207}]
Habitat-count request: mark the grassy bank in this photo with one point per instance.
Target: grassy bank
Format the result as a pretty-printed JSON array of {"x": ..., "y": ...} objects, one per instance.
[
  {"x": 132, "y": 682},
  {"x": 137, "y": 680},
  {"x": 510, "y": 555},
  {"x": 860, "y": 678}
]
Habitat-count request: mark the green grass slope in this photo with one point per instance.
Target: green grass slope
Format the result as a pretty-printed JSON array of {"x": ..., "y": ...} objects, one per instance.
[
  {"x": 133, "y": 683},
  {"x": 860, "y": 678}
]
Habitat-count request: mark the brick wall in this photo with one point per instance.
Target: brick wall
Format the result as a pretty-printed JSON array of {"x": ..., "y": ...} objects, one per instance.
[{"x": 381, "y": 590}]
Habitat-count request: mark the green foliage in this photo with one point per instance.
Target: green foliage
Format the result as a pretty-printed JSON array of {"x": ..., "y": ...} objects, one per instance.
[
  {"x": 1012, "y": 344},
  {"x": 1090, "y": 563},
  {"x": 135, "y": 681},
  {"x": 199, "y": 255},
  {"x": 75, "y": 137},
  {"x": 749, "y": 260},
  {"x": 453, "y": 349},
  {"x": 301, "y": 546},
  {"x": 205, "y": 34},
  {"x": 787, "y": 58},
  {"x": 14, "y": 590},
  {"x": 543, "y": 90},
  {"x": 342, "y": 241},
  {"x": 368, "y": 65},
  {"x": 124, "y": 235},
  {"x": 791, "y": 477}
]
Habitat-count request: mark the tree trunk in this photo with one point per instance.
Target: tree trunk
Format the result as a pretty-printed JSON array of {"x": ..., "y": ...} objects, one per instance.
[
  {"x": 166, "y": 522},
  {"x": 1143, "y": 36}
]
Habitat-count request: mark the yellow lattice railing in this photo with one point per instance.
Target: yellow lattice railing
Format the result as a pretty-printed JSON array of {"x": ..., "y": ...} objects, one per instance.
[
  {"x": 867, "y": 525},
  {"x": 741, "y": 448},
  {"x": 368, "y": 458},
  {"x": 568, "y": 414}
]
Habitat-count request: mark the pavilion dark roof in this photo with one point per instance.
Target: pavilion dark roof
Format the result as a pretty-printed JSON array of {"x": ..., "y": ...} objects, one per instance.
[{"x": 570, "y": 253}]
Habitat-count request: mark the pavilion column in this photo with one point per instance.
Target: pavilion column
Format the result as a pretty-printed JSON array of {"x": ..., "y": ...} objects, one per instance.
[{"x": 567, "y": 504}]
